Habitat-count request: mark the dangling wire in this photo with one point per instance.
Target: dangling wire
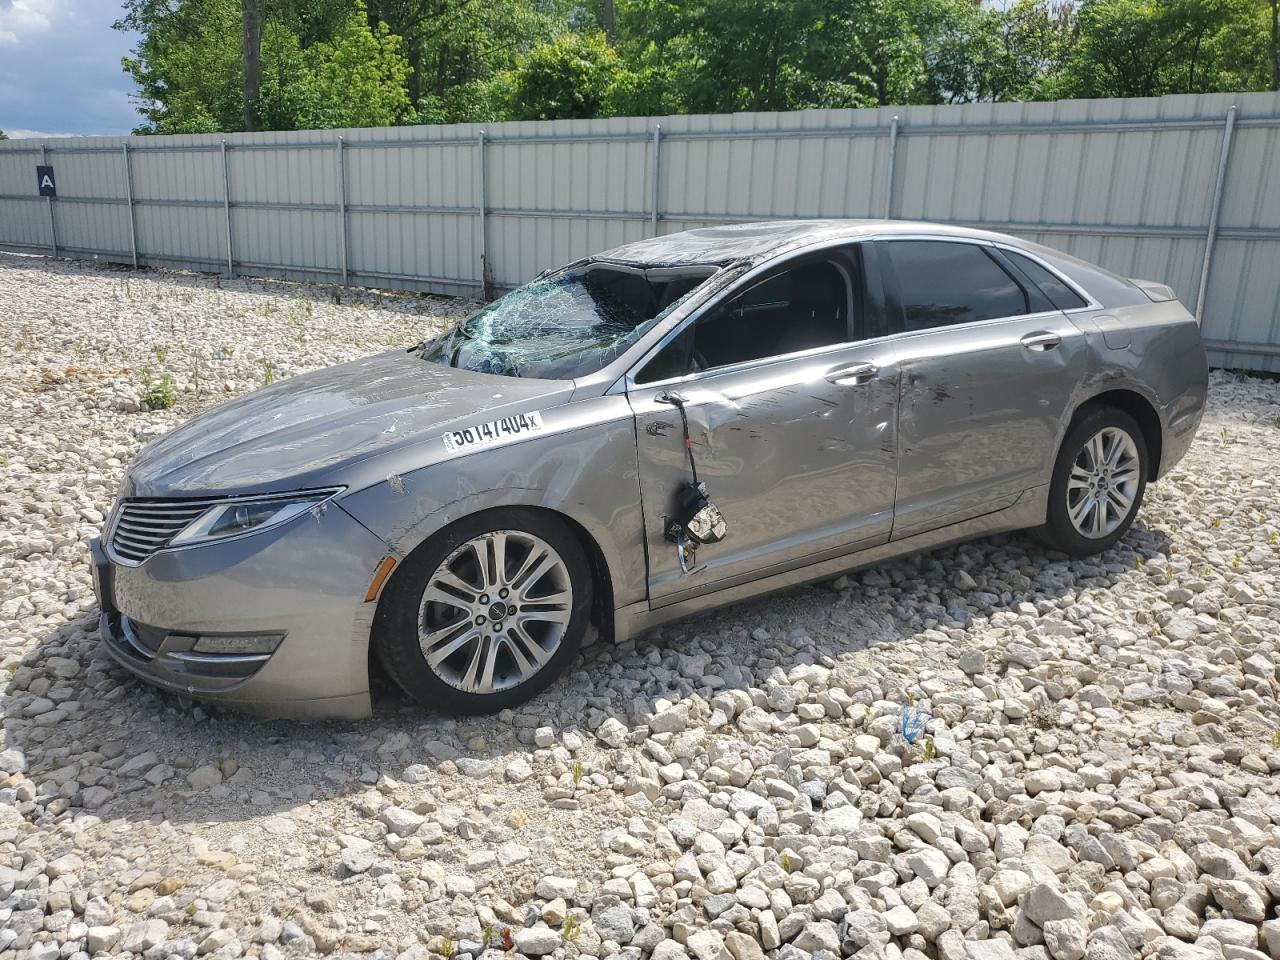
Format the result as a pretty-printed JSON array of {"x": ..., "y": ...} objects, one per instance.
[{"x": 678, "y": 401}]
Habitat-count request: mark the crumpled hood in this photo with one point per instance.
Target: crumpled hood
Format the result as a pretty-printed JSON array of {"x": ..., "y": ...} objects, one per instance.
[{"x": 301, "y": 432}]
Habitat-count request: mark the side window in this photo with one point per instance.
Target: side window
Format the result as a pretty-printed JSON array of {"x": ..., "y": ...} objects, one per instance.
[
  {"x": 942, "y": 283},
  {"x": 801, "y": 308},
  {"x": 1062, "y": 296},
  {"x": 673, "y": 360}
]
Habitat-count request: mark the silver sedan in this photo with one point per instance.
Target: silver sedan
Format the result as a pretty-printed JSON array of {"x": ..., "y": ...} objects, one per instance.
[{"x": 672, "y": 425}]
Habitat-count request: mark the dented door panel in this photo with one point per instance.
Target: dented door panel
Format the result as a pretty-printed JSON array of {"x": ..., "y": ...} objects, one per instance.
[
  {"x": 797, "y": 463},
  {"x": 982, "y": 408}
]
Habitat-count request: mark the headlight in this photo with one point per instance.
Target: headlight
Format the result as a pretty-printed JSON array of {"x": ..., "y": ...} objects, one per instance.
[{"x": 235, "y": 518}]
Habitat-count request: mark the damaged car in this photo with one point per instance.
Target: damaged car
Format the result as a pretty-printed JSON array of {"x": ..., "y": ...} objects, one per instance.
[{"x": 675, "y": 424}]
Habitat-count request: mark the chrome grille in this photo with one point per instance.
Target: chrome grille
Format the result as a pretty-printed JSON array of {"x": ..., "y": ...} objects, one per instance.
[{"x": 144, "y": 526}]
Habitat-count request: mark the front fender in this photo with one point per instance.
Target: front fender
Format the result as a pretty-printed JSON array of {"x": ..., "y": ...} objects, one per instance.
[{"x": 584, "y": 468}]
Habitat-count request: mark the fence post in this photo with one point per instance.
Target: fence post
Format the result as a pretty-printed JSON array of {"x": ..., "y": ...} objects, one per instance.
[
  {"x": 482, "y": 205},
  {"x": 1212, "y": 235},
  {"x": 226, "y": 210},
  {"x": 128, "y": 194},
  {"x": 342, "y": 208},
  {"x": 48, "y": 202},
  {"x": 893, "y": 154},
  {"x": 657, "y": 157}
]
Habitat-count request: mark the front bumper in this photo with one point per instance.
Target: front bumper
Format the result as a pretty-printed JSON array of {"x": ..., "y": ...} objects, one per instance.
[{"x": 304, "y": 581}]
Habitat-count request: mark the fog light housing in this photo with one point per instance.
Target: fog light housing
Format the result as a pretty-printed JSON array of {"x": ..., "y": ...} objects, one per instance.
[{"x": 242, "y": 644}]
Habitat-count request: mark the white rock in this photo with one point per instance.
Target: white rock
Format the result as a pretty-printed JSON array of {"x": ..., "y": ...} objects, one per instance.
[
  {"x": 550, "y": 888},
  {"x": 671, "y": 720},
  {"x": 102, "y": 939},
  {"x": 901, "y": 920},
  {"x": 1065, "y": 939},
  {"x": 612, "y": 733},
  {"x": 202, "y": 778},
  {"x": 518, "y": 771},
  {"x": 929, "y": 864},
  {"x": 1045, "y": 902},
  {"x": 404, "y": 823},
  {"x": 537, "y": 941},
  {"x": 819, "y": 935}
]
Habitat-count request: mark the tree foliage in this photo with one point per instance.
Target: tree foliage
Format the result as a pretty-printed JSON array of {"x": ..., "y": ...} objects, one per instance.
[
  {"x": 319, "y": 67},
  {"x": 1142, "y": 48},
  {"x": 329, "y": 63}
]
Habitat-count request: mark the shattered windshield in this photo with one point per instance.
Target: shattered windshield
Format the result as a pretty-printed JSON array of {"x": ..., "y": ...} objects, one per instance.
[{"x": 564, "y": 326}]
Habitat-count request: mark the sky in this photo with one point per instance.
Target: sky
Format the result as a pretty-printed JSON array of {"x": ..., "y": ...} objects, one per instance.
[{"x": 60, "y": 69}]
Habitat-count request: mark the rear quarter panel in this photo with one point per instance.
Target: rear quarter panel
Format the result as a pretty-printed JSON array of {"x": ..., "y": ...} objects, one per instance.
[{"x": 1154, "y": 350}]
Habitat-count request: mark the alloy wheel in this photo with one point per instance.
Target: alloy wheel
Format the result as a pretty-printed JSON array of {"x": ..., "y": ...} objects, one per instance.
[
  {"x": 1103, "y": 483},
  {"x": 495, "y": 611}
]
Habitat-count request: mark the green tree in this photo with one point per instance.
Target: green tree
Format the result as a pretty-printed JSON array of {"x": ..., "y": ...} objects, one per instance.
[
  {"x": 342, "y": 62},
  {"x": 357, "y": 79},
  {"x": 251, "y": 17},
  {"x": 462, "y": 52},
  {"x": 983, "y": 53},
  {"x": 320, "y": 65},
  {"x": 571, "y": 76},
  {"x": 3, "y": 135},
  {"x": 186, "y": 66},
  {"x": 723, "y": 55},
  {"x": 1274, "y": 52},
  {"x": 1143, "y": 48}
]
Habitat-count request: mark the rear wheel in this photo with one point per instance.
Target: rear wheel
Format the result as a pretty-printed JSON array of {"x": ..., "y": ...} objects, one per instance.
[
  {"x": 486, "y": 613},
  {"x": 1098, "y": 482}
]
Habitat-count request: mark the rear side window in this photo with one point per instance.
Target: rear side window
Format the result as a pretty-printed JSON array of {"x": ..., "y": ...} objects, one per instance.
[
  {"x": 942, "y": 283},
  {"x": 1062, "y": 296}
]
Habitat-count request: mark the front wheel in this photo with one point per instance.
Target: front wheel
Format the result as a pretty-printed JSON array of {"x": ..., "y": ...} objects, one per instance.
[
  {"x": 486, "y": 613},
  {"x": 1098, "y": 482}
]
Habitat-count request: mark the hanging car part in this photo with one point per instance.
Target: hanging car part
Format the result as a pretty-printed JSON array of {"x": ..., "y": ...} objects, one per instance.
[{"x": 697, "y": 519}]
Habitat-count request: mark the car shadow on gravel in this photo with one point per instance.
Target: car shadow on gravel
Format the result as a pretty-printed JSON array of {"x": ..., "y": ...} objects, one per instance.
[{"x": 94, "y": 740}]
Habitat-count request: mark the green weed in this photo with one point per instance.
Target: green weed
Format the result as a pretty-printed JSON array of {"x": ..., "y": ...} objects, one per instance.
[{"x": 157, "y": 394}]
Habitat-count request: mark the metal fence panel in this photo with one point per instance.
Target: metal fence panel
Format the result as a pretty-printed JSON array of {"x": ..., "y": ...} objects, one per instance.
[{"x": 468, "y": 209}]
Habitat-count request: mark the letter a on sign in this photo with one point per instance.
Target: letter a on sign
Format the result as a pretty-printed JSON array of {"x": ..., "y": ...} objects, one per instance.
[{"x": 44, "y": 177}]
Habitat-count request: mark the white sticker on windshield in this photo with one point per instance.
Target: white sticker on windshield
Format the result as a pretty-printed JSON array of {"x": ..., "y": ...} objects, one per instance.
[{"x": 495, "y": 431}]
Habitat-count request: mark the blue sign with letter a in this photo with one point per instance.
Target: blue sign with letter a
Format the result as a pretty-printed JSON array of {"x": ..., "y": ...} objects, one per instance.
[{"x": 44, "y": 177}]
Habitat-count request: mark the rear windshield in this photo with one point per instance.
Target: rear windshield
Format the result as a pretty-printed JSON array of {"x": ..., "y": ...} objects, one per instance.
[{"x": 565, "y": 326}]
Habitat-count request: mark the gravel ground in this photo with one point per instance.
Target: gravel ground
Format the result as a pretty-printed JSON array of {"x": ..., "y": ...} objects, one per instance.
[{"x": 1098, "y": 776}]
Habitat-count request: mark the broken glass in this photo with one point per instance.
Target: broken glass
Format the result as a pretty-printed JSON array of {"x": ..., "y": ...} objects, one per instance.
[{"x": 564, "y": 326}]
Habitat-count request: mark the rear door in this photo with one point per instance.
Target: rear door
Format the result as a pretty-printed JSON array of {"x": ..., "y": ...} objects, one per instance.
[
  {"x": 988, "y": 369},
  {"x": 791, "y": 397}
]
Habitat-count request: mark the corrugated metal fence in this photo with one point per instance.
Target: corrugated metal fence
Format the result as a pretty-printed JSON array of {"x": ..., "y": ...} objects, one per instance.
[{"x": 1182, "y": 189}]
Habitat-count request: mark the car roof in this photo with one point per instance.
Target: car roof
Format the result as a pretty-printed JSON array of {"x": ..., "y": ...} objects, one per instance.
[{"x": 756, "y": 242}]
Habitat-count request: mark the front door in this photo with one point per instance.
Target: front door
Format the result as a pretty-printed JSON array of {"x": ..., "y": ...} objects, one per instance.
[{"x": 792, "y": 418}]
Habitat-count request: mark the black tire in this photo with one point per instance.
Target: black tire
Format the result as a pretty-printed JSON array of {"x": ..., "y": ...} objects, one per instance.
[
  {"x": 396, "y": 624},
  {"x": 1059, "y": 532}
]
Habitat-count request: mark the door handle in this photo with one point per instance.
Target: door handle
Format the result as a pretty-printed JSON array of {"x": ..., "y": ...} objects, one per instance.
[
  {"x": 852, "y": 376},
  {"x": 1041, "y": 341}
]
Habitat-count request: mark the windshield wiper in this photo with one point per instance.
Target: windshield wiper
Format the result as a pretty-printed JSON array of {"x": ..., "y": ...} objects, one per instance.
[
  {"x": 458, "y": 333},
  {"x": 449, "y": 339}
]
